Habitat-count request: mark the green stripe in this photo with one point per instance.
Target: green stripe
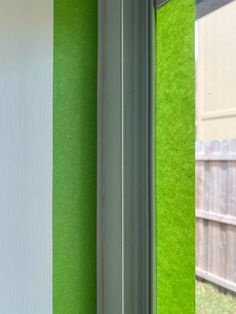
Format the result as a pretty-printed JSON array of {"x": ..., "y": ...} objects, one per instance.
[
  {"x": 74, "y": 157},
  {"x": 175, "y": 157}
]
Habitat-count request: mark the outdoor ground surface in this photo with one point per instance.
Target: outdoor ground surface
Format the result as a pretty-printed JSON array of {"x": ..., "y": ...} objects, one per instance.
[{"x": 210, "y": 301}]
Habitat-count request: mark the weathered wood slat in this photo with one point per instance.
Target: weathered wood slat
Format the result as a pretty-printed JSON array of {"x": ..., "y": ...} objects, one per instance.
[
  {"x": 224, "y": 219},
  {"x": 199, "y": 243},
  {"x": 224, "y": 283},
  {"x": 231, "y": 230},
  {"x": 230, "y": 265},
  {"x": 216, "y": 150}
]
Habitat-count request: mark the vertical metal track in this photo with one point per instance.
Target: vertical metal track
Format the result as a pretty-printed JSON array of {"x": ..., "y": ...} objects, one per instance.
[{"x": 125, "y": 213}]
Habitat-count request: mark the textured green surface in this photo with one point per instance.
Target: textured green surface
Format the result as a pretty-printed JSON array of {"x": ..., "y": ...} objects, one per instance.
[
  {"x": 74, "y": 157},
  {"x": 175, "y": 157}
]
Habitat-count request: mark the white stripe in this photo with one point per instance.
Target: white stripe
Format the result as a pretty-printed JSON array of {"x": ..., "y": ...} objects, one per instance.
[
  {"x": 122, "y": 162},
  {"x": 26, "y": 58}
]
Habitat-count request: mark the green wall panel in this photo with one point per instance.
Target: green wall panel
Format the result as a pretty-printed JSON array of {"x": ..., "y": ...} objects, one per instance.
[
  {"x": 175, "y": 157},
  {"x": 74, "y": 157}
]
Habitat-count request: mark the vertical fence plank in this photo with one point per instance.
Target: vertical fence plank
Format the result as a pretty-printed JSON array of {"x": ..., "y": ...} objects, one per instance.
[
  {"x": 199, "y": 204},
  {"x": 231, "y": 230}
]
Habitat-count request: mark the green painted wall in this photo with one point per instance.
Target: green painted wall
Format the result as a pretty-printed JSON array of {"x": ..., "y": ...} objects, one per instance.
[
  {"x": 74, "y": 157},
  {"x": 175, "y": 158}
]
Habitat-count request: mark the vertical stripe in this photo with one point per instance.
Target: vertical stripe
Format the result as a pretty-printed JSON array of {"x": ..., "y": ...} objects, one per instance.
[
  {"x": 26, "y": 58},
  {"x": 74, "y": 157},
  {"x": 175, "y": 157}
]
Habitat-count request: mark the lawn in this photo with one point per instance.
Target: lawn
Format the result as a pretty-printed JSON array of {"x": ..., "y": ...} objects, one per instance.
[{"x": 210, "y": 301}]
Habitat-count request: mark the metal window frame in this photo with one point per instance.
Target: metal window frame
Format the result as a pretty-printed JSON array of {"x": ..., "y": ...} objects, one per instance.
[
  {"x": 160, "y": 3},
  {"x": 204, "y": 7},
  {"x": 126, "y": 279}
]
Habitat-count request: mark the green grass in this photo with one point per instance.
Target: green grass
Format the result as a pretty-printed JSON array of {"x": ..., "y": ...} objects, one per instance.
[{"x": 210, "y": 301}]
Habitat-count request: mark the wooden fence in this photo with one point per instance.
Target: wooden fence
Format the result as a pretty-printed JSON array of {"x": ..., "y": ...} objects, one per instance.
[{"x": 216, "y": 212}]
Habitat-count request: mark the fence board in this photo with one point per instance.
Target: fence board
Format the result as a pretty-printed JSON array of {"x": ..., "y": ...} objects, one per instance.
[{"x": 216, "y": 212}]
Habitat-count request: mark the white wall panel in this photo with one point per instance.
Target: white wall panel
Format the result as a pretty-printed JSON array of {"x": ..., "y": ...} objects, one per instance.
[
  {"x": 216, "y": 72},
  {"x": 26, "y": 58}
]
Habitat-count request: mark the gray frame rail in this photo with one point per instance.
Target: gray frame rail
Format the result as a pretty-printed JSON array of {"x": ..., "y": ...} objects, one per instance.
[{"x": 126, "y": 158}]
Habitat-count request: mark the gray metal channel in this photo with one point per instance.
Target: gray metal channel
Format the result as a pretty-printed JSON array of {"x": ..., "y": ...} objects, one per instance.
[
  {"x": 204, "y": 7},
  {"x": 126, "y": 211}
]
